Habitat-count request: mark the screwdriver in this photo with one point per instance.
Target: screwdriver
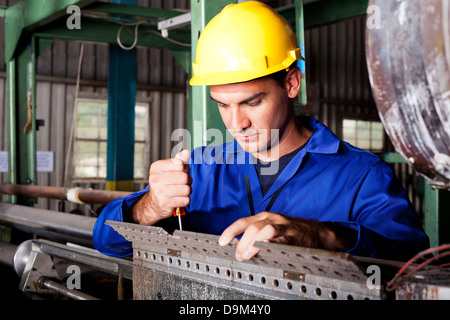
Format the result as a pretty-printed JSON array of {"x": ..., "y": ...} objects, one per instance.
[{"x": 179, "y": 212}]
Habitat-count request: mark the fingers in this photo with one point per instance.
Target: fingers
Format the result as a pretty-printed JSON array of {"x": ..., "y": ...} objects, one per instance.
[
  {"x": 169, "y": 165},
  {"x": 251, "y": 225},
  {"x": 234, "y": 230},
  {"x": 259, "y": 231},
  {"x": 261, "y": 227},
  {"x": 278, "y": 228},
  {"x": 173, "y": 171},
  {"x": 173, "y": 196},
  {"x": 170, "y": 184},
  {"x": 183, "y": 155},
  {"x": 169, "y": 178}
]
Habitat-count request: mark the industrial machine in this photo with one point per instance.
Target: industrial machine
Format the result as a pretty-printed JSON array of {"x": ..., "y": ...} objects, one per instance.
[
  {"x": 192, "y": 266},
  {"x": 408, "y": 57}
]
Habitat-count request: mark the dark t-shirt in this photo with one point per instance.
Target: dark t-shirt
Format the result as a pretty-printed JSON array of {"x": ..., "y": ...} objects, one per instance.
[{"x": 266, "y": 180}]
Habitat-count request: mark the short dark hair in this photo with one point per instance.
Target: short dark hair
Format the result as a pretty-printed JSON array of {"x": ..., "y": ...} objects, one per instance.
[{"x": 279, "y": 75}]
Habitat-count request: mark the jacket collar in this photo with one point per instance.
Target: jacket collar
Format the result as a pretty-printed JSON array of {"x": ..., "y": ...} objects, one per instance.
[{"x": 322, "y": 141}]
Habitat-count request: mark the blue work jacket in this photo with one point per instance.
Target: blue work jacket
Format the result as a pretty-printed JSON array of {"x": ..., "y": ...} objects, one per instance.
[{"x": 328, "y": 180}]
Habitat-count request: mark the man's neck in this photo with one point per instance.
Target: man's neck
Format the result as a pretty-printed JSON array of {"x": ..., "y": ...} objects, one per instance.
[{"x": 294, "y": 136}]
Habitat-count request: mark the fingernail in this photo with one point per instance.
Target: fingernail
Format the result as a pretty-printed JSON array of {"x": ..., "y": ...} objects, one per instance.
[
  {"x": 222, "y": 242},
  {"x": 247, "y": 255},
  {"x": 238, "y": 257}
]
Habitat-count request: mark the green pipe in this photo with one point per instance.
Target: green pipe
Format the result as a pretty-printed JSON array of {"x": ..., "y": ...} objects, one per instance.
[
  {"x": 437, "y": 217},
  {"x": 11, "y": 105},
  {"x": 203, "y": 112},
  {"x": 31, "y": 94},
  {"x": 300, "y": 30}
]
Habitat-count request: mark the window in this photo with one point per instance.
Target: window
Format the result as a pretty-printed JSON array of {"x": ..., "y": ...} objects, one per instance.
[
  {"x": 91, "y": 136},
  {"x": 140, "y": 141},
  {"x": 90, "y": 141},
  {"x": 367, "y": 135}
]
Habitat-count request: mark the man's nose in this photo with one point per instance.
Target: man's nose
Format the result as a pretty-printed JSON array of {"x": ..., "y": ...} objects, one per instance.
[{"x": 240, "y": 120}]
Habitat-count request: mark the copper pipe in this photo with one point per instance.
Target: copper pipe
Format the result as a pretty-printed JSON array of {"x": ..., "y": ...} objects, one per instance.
[{"x": 83, "y": 195}]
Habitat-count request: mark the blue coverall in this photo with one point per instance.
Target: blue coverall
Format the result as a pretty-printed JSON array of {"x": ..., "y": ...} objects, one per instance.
[{"x": 328, "y": 180}]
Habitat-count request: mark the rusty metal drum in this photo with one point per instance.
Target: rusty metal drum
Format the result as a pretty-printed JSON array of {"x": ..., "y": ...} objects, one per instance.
[{"x": 408, "y": 57}]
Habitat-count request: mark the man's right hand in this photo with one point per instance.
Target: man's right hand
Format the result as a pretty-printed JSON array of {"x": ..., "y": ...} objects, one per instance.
[{"x": 169, "y": 188}]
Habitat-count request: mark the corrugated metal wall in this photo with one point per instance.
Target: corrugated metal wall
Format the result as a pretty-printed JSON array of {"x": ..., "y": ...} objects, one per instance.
[
  {"x": 335, "y": 68},
  {"x": 161, "y": 83}
]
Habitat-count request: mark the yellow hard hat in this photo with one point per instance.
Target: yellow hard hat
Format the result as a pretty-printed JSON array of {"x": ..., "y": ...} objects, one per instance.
[{"x": 243, "y": 42}]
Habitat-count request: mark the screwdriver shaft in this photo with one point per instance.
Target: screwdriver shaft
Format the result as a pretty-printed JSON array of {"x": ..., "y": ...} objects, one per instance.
[{"x": 179, "y": 222}]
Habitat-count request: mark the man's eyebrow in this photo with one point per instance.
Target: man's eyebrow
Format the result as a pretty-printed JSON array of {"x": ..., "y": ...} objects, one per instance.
[{"x": 257, "y": 95}]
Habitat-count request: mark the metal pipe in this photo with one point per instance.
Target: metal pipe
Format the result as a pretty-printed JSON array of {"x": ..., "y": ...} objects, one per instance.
[
  {"x": 11, "y": 104},
  {"x": 31, "y": 100},
  {"x": 7, "y": 252},
  {"x": 81, "y": 195},
  {"x": 99, "y": 83},
  {"x": 61, "y": 289},
  {"x": 46, "y": 223}
]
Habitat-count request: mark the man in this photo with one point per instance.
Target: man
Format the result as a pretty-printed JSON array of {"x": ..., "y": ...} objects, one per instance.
[{"x": 299, "y": 186}]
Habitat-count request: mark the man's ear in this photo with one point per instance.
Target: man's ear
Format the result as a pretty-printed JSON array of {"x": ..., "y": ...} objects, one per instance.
[{"x": 293, "y": 80}]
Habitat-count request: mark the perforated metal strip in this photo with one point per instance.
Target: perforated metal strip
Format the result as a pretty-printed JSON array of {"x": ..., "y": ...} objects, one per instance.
[{"x": 277, "y": 270}]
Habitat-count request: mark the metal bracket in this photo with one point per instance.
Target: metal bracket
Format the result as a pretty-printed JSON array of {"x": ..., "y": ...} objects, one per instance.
[
  {"x": 48, "y": 260},
  {"x": 38, "y": 265},
  {"x": 181, "y": 21}
]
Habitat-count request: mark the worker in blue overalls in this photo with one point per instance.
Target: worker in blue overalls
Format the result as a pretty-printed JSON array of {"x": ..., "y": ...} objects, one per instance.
[{"x": 284, "y": 178}]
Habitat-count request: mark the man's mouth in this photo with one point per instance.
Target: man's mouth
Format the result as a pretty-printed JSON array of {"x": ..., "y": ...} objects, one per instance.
[{"x": 246, "y": 137}]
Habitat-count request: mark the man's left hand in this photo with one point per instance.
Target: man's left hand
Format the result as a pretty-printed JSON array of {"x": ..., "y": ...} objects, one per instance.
[{"x": 274, "y": 227}]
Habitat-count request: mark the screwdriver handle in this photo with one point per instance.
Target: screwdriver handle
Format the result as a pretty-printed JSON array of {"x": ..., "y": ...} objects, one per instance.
[{"x": 179, "y": 212}]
